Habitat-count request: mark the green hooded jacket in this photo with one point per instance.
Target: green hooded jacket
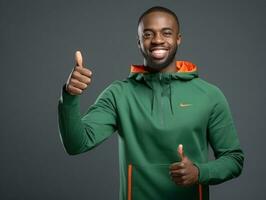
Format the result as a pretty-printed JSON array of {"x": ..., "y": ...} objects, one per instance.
[{"x": 153, "y": 113}]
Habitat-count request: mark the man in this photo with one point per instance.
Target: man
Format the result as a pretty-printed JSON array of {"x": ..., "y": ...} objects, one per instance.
[{"x": 165, "y": 116}]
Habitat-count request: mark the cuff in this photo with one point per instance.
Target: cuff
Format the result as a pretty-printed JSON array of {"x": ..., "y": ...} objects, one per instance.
[{"x": 203, "y": 177}]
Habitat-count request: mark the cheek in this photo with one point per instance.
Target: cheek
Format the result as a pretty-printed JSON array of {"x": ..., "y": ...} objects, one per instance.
[
  {"x": 172, "y": 42},
  {"x": 146, "y": 45}
]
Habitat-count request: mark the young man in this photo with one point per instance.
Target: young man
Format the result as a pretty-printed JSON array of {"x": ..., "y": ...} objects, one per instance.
[{"x": 165, "y": 116}]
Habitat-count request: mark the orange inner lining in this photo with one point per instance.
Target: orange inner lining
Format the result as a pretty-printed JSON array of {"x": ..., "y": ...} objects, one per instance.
[{"x": 181, "y": 66}]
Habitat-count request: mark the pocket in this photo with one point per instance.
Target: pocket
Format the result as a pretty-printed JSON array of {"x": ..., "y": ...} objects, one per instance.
[{"x": 153, "y": 182}]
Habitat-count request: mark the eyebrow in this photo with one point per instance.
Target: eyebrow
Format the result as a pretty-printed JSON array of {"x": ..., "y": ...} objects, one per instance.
[{"x": 164, "y": 29}]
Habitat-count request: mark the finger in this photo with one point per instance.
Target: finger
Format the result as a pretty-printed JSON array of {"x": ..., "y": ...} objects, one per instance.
[
  {"x": 78, "y": 58},
  {"x": 183, "y": 183},
  {"x": 77, "y": 84},
  {"x": 183, "y": 180},
  {"x": 178, "y": 173},
  {"x": 81, "y": 78},
  {"x": 177, "y": 165},
  {"x": 178, "y": 181},
  {"x": 84, "y": 71},
  {"x": 74, "y": 90},
  {"x": 186, "y": 180},
  {"x": 180, "y": 151},
  {"x": 176, "y": 176}
]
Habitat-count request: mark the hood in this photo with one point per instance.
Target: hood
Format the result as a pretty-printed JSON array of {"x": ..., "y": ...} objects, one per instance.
[
  {"x": 158, "y": 81},
  {"x": 185, "y": 70}
]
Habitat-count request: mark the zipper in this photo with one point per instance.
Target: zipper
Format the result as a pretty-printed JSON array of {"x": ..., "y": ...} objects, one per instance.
[{"x": 160, "y": 99}]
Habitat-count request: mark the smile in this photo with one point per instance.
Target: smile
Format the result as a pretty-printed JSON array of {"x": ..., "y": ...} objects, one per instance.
[{"x": 159, "y": 53}]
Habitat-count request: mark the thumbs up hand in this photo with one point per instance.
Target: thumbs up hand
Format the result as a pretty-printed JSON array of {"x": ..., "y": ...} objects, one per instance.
[
  {"x": 79, "y": 78},
  {"x": 183, "y": 173}
]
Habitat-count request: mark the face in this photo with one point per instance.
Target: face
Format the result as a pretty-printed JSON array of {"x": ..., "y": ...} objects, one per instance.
[{"x": 158, "y": 39}]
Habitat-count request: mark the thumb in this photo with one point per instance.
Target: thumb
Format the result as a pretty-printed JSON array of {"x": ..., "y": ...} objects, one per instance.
[
  {"x": 180, "y": 152},
  {"x": 78, "y": 59}
]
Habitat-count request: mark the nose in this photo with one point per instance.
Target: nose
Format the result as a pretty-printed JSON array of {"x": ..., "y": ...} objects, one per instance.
[{"x": 157, "y": 39}]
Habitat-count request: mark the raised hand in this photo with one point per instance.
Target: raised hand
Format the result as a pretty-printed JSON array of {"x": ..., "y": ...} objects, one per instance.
[
  {"x": 183, "y": 173},
  {"x": 79, "y": 78}
]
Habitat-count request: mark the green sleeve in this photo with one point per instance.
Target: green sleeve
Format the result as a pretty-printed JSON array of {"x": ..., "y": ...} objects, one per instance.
[
  {"x": 82, "y": 133},
  {"x": 222, "y": 136}
]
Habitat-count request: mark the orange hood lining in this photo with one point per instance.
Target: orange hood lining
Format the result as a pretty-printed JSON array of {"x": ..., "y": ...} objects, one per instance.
[{"x": 181, "y": 66}]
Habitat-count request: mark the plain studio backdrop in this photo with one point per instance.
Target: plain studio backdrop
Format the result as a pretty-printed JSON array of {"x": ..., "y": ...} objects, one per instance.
[{"x": 225, "y": 39}]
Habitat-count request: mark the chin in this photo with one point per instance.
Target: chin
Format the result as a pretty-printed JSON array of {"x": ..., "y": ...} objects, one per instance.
[{"x": 159, "y": 64}]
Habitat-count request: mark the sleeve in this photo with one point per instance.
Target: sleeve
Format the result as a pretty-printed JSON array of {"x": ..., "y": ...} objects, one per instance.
[
  {"x": 222, "y": 136},
  {"x": 82, "y": 133}
]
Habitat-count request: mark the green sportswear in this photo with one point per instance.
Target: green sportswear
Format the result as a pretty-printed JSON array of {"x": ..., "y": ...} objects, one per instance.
[{"x": 153, "y": 113}]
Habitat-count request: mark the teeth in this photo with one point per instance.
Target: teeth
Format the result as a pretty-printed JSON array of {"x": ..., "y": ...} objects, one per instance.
[
  {"x": 159, "y": 53},
  {"x": 159, "y": 50}
]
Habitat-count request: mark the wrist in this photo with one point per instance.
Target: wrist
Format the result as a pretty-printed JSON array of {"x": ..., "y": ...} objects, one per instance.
[{"x": 67, "y": 98}]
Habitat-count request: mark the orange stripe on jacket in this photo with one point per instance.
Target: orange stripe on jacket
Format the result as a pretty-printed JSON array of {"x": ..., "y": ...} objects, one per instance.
[
  {"x": 129, "y": 181},
  {"x": 200, "y": 192}
]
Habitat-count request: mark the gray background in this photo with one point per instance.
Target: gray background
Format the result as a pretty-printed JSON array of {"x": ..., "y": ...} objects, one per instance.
[{"x": 226, "y": 39}]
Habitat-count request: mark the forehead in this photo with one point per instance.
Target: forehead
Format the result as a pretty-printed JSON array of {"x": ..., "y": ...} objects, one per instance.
[{"x": 158, "y": 20}]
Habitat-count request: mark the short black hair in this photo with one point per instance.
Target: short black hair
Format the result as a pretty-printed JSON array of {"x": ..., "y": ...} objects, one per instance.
[{"x": 160, "y": 9}]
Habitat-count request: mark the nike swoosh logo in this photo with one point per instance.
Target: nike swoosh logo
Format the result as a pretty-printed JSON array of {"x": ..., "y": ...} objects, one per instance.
[{"x": 185, "y": 104}]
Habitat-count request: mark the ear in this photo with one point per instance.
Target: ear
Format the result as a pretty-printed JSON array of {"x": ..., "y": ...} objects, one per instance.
[
  {"x": 178, "y": 41},
  {"x": 138, "y": 41}
]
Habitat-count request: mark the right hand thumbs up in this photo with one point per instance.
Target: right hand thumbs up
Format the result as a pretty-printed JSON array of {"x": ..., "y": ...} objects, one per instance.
[{"x": 79, "y": 78}]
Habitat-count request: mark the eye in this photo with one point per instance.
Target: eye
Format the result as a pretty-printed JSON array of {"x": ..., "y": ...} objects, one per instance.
[
  {"x": 167, "y": 33},
  {"x": 147, "y": 34}
]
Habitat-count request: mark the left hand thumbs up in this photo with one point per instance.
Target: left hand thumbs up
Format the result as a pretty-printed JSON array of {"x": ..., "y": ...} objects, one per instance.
[{"x": 184, "y": 172}]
